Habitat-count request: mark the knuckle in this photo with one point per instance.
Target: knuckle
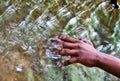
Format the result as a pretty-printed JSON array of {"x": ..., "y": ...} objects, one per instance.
[
  {"x": 77, "y": 45},
  {"x": 79, "y": 52},
  {"x": 65, "y": 44},
  {"x": 80, "y": 42},
  {"x": 67, "y": 51},
  {"x": 76, "y": 41},
  {"x": 62, "y": 52}
]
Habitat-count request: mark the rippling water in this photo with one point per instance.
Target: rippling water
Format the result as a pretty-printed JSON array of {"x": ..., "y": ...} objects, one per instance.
[{"x": 27, "y": 26}]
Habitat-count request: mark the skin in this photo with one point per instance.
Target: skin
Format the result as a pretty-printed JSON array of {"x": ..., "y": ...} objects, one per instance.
[{"x": 83, "y": 52}]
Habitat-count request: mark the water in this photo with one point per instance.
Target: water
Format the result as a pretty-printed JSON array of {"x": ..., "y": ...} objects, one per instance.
[
  {"x": 53, "y": 47},
  {"x": 28, "y": 29}
]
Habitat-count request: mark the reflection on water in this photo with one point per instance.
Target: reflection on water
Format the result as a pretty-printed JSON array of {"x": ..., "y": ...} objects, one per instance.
[{"x": 27, "y": 29}]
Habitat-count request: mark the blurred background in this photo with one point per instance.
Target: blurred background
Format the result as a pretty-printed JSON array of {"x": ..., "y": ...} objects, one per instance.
[{"x": 27, "y": 25}]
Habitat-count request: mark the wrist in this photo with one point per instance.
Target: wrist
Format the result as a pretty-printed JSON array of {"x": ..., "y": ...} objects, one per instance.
[{"x": 99, "y": 58}]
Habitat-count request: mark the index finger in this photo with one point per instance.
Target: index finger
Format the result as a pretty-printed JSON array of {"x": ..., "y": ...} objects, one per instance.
[
  {"x": 87, "y": 41},
  {"x": 68, "y": 39}
]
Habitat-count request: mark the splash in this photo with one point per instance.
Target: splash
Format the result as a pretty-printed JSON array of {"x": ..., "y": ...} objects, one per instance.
[{"x": 52, "y": 46}]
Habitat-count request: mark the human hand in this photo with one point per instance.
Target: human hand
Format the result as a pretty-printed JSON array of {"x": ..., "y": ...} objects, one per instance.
[{"x": 80, "y": 51}]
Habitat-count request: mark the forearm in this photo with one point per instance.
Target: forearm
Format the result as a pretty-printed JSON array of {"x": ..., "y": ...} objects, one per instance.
[
  {"x": 82, "y": 51},
  {"x": 108, "y": 63}
]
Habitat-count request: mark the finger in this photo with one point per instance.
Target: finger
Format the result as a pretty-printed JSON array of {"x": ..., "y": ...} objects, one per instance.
[
  {"x": 67, "y": 52},
  {"x": 69, "y": 45},
  {"x": 87, "y": 41},
  {"x": 68, "y": 39},
  {"x": 68, "y": 62}
]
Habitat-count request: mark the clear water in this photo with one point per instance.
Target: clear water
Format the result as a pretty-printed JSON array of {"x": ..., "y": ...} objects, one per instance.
[{"x": 27, "y": 28}]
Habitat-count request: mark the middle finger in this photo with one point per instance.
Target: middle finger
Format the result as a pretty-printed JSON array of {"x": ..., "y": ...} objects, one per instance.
[
  {"x": 67, "y": 52},
  {"x": 69, "y": 45}
]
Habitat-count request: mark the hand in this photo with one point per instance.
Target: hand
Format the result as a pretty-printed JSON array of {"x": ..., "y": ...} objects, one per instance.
[{"x": 80, "y": 51}]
